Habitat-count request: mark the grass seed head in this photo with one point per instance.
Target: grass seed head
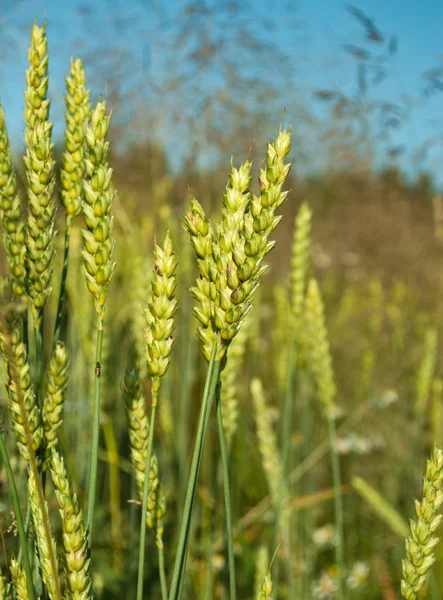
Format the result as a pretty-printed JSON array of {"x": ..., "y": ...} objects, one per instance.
[
  {"x": 14, "y": 231},
  {"x": 99, "y": 245},
  {"x": 160, "y": 314},
  {"x": 78, "y": 576},
  {"x": 319, "y": 355},
  {"x": 420, "y": 546},
  {"x": 76, "y": 114},
  {"x": 21, "y": 369},
  {"x": 56, "y": 382},
  {"x": 300, "y": 259},
  {"x": 40, "y": 173},
  {"x": 138, "y": 440},
  {"x": 18, "y": 577}
]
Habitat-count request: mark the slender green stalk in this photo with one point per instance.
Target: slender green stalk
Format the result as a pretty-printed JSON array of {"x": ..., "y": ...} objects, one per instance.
[
  {"x": 338, "y": 505},
  {"x": 205, "y": 409},
  {"x": 61, "y": 298},
  {"x": 18, "y": 516},
  {"x": 161, "y": 565},
  {"x": 285, "y": 454},
  {"x": 95, "y": 437},
  {"x": 38, "y": 333},
  {"x": 227, "y": 493},
  {"x": 28, "y": 523},
  {"x": 141, "y": 554}
]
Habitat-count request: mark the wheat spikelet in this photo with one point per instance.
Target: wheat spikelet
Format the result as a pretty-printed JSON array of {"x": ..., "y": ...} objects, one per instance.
[
  {"x": 318, "y": 346},
  {"x": 44, "y": 552},
  {"x": 230, "y": 381},
  {"x": 40, "y": 167},
  {"x": 201, "y": 234},
  {"x": 230, "y": 254},
  {"x": 138, "y": 440},
  {"x": 18, "y": 577},
  {"x": 78, "y": 577},
  {"x": 426, "y": 372},
  {"x": 268, "y": 447},
  {"x": 420, "y": 546},
  {"x": 300, "y": 259},
  {"x": 21, "y": 367},
  {"x": 76, "y": 114},
  {"x": 14, "y": 231},
  {"x": 56, "y": 382},
  {"x": 99, "y": 245},
  {"x": 160, "y": 314}
]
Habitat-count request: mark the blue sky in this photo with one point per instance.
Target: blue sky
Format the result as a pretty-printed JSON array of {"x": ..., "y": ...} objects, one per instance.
[{"x": 314, "y": 39}]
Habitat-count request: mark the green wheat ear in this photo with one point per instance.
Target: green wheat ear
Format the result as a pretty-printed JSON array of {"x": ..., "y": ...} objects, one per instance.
[
  {"x": 300, "y": 261},
  {"x": 99, "y": 244},
  {"x": 138, "y": 440},
  {"x": 78, "y": 576},
  {"x": 420, "y": 545},
  {"x": 40, "y": 172},
  {"x": 56, "y": 382},
  {"x": 18, "y": 577},
  {"x": 21, "y": 367},
  {"x": 160, "y": 314},
  {"x": 14, "y": 231},
  {"x": 77, "y": 113},
  {"x": 318, "y": 346}
]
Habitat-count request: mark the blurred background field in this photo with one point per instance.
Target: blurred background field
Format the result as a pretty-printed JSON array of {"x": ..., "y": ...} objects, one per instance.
[{"x": 192, "y": 84}]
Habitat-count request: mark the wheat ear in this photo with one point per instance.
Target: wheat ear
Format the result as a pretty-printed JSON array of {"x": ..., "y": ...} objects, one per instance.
[
  {"x": 56, "y": 383},
  {"x": 420, "y": 546},
  {"x": 40, "y": 172},
  {"x": 18, "y": 577},
  {"x": 78, "y": 576},
  {"x": 14, "y": 230}
]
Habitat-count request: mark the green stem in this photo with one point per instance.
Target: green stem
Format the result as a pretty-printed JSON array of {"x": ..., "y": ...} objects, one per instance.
[
  {"x": 161, "y": 566},
  {"x": 285, "y": 462},
  {"x": 288, "y": 407},
  {"x": 227, "y": 493},
  {"x": 95, "y": 437},
  {"x": 185, "y": 527},
  {"x": 27, "y": 525},
  {"x": 18, "y": 516},
  {"x": 141, "y": 554},
  {"x": 38, "y": 333},
  {"x": 339, "y": 551},
  {"x": 61, "y": 298}
]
